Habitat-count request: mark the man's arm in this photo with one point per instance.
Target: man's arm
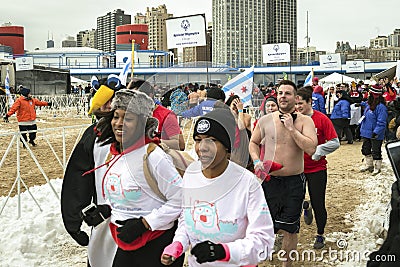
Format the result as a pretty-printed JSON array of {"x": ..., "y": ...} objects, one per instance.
[{"x": 254, "y": 145}]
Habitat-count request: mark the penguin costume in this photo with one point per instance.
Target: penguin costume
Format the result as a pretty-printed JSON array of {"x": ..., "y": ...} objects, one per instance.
[{"x": 81, "y": 187}]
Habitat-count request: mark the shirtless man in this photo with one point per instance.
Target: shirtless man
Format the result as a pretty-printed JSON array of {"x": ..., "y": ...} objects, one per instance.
[{"x": 283, "y": 136}]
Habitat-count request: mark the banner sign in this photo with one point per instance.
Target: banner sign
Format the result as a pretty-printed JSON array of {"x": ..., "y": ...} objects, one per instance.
[
  {"x": 274, "y": 53},
  {"x": 355, "y": 66},
  {"x": 187, "y": 31},
  {"x": 331, "y": 61},
  {"x": 23, "y": 63}
]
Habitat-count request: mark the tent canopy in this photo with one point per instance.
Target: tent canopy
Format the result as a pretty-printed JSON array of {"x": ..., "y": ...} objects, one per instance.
[
  {"x": 76, "y": 81},
  {"x": 390, "y": 73},
  {"x": 337, "y": 78}
]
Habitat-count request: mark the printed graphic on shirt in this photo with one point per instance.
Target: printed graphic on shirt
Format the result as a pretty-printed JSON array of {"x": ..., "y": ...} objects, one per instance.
[
  {"x": 264, "y": 209},
  {"x": 203, "y": 221},
  {"x": 116, "y": 193},
  {"x": 175, "y": 180}
]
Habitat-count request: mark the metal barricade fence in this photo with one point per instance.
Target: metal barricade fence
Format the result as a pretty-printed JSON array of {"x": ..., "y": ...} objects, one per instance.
[
  {"x": 19, "y": 159},
  {"x": 68, "y": 105}
]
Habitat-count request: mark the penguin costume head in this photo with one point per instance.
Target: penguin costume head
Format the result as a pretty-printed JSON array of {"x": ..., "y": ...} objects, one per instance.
[{"x": 105, "y": 89}]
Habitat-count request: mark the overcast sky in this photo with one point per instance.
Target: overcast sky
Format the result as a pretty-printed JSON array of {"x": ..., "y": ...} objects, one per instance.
[{"x": 355, "y": 21}]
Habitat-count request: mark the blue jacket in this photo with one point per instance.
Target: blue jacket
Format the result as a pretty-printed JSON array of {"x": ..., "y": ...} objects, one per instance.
[
  {"x": 341, "y": 110},
  {"x": 199, "y": 110},
  {"x": 318, "y": 103},
  {"x": 374, "y": 122}
]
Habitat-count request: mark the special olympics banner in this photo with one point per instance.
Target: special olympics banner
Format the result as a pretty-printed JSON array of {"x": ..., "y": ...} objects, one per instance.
[
  {"x": 274, "y": 53},
  {"x": 187, "y": 31},
  {"x": 331, "y": 61},
  {"x": 355, "y": 66},
  {"x": 23, "y": 63}
]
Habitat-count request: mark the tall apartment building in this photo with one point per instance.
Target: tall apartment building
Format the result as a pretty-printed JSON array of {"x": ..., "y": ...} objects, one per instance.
[
  {"x": 155, "y": 19},
  {"x": 378, "y": 42},
  {"x": 86, "y": 38},
  {"x": 106, "y": 29},
  {"x": 239, "y": 31},
  {"x": 140, "y": 19},
  {"x": 282, "y": 24},
  {"x": 68, "y": 42},
  {"x": 394, "y": 38}
]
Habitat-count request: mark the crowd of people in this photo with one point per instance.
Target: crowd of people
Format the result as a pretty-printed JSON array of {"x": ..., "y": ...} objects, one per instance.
[{"x": 244, "y": 195}]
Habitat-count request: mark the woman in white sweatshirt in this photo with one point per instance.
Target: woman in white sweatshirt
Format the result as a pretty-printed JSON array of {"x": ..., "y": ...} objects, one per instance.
[
  {"x": 141, "y": 220},
  {"x": 225, "y": 217}
]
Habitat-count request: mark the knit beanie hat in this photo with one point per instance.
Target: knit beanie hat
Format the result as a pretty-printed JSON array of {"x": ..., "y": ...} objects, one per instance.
[
  {"x": 376, "y": 90},
  {"x": 271, "y": 98},
  {"x": 219, "y": 124},
  {"x": 133, "y": 101},
  {"x": 25, "y": 91},
  {"x": 216, "y": 94}
]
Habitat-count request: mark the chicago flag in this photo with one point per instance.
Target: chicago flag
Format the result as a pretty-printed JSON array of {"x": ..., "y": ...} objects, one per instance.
[{"x": 241, "y": 85}]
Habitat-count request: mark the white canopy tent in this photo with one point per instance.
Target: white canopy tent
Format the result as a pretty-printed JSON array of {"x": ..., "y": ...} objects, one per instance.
[
  {"x": 336, "y": 78},
  {"x": 77, "y": 81}
]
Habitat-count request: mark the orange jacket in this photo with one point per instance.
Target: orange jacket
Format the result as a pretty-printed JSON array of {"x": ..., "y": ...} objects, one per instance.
[{"x": 25, "y": 108}]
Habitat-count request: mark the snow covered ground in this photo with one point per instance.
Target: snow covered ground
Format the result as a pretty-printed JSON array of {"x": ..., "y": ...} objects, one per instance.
[{"x": 37, "y": 238}]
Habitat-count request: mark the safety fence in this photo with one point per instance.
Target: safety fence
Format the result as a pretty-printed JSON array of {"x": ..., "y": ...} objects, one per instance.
[
  {"x": 68, "y": 105},
  {"x": 29, "y": 165},
  {"x": 73, "y": 105}
]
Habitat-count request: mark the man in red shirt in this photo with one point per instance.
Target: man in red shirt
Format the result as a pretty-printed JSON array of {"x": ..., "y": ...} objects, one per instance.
[
  {"x": 315, "y": 165},
  {"x": 168, "y": 131}
]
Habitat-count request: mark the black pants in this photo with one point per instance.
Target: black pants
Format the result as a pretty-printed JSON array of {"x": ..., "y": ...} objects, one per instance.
[
  {"x": 32, "y": 135},
  {"x": 372, "y": 146},
  {"x": 149, "y": 255},
  {"x": 316, "y": 184},
  {"x": 342, "y": 127}
]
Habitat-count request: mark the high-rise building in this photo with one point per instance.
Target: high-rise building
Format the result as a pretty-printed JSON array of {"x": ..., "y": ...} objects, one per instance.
[
  {"x": 282, "y": 24},
  {"x": 140, "y": 19},
  {"x": 106, "y": 29},
  {"x": 155, "y": 19},
  {"x": 86, "y": 38},
  {"x": 50, "y": 44},
  {"x": 394, "y": 38},
  {"x": 239, "y": 31},
  {"x": 68, "y": 42}
]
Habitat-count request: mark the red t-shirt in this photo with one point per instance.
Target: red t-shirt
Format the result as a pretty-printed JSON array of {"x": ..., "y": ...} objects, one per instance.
[
  {"x": 167, "y": 123},
  {"x": 325, "y": 132}
]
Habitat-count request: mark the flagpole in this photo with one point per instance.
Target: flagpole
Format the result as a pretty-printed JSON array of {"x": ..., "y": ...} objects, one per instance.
[{"x": 133, "y": 58}]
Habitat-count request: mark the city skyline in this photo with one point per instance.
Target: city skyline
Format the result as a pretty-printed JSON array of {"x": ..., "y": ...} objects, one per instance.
[{"x": 355, "y": 21}]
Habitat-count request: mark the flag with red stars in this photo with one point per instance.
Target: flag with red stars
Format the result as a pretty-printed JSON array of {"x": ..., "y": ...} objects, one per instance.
[{"x": 241, "y": 85}]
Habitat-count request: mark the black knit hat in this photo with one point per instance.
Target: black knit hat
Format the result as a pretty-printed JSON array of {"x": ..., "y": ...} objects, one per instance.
[
  {"x": 25, "y": 91},
  {"x": 219, "y": 124}
]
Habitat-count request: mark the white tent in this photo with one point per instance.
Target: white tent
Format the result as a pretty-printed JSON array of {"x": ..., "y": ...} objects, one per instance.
[
  {"x": 76, "y": 81},
  {"x": 337, "y": 78}
]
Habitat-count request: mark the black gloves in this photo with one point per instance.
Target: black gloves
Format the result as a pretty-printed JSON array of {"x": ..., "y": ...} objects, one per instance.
[
  {"x": 49, "y": 104},
  {"x": 80, "y": 237},
  {"x": 5, "y": 118},
  {"x": 95, "y": 215},
  {"x": 131, "y": 229},
  {"x": 207, "y": 251},
  {"x": 374, "y": 136}
]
